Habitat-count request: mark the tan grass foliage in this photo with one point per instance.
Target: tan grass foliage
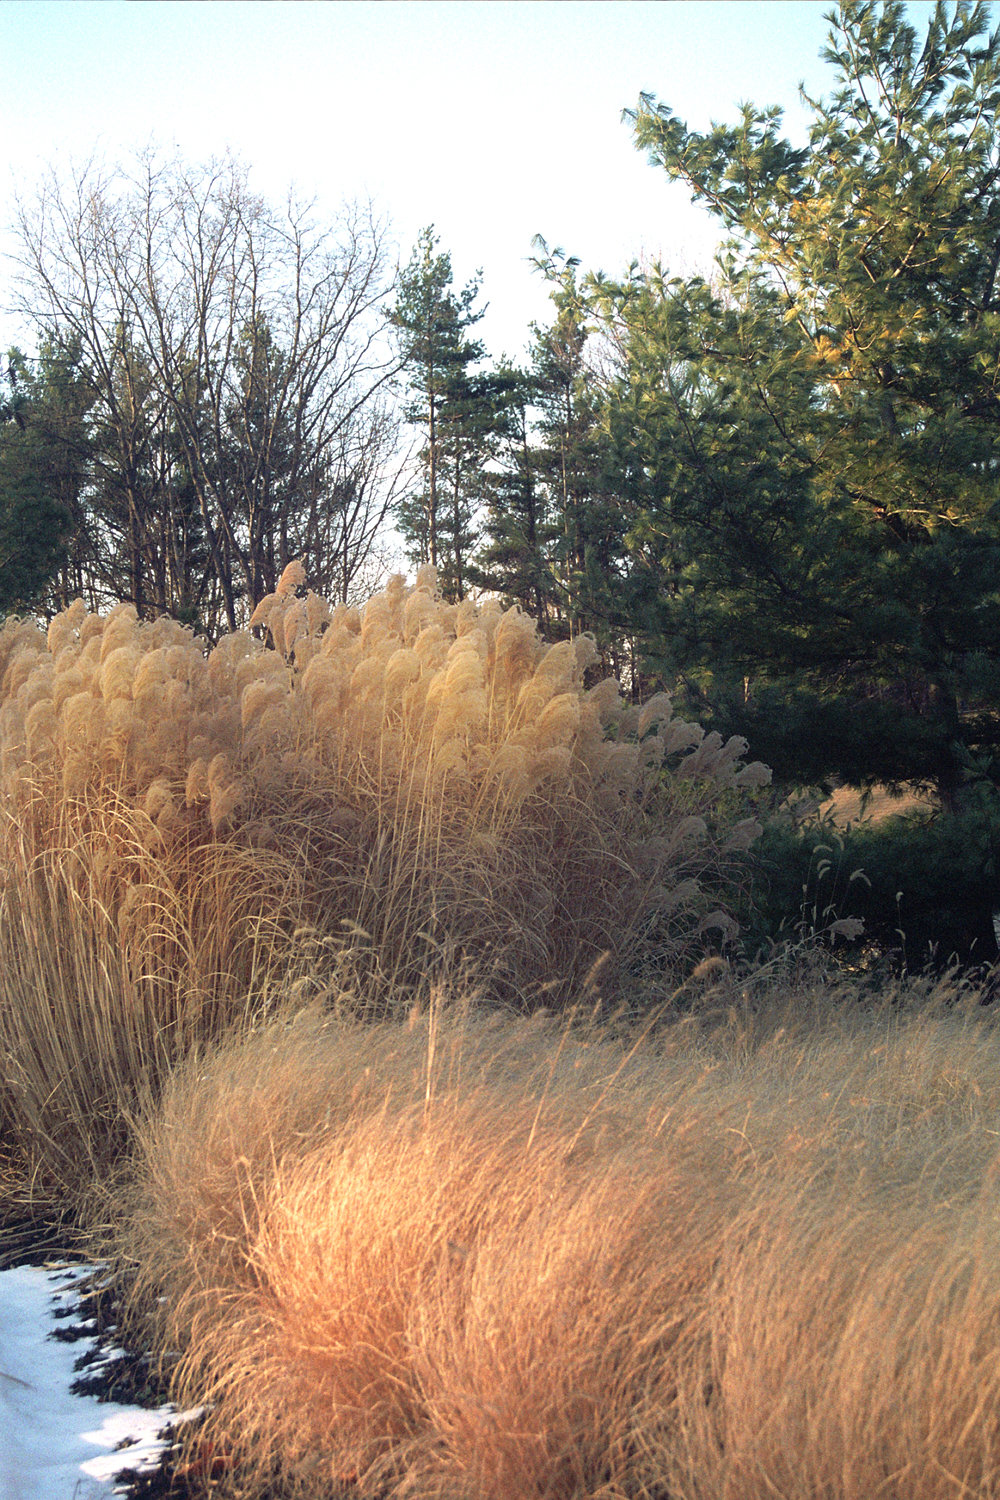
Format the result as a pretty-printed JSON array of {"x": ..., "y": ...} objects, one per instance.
[
  {"x": 114, "y": 961},
  {"x": 375, "y": 796},
  {"x": 496, "y": 1258}
]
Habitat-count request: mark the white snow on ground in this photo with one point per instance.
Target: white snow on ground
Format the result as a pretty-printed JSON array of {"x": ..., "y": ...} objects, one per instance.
[{"x": 54, "y": 1445}]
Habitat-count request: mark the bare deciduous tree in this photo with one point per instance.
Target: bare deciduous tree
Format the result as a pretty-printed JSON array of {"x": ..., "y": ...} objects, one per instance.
[{"x": 237, "y": 355}]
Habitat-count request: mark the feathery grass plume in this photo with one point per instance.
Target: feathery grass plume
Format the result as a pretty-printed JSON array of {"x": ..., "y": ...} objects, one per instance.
[
  {"x": 128, "y": 928},
  {"x": 121, "y": 949},
  {"x": 435, "y": 776},
  {"x": 477, "y": 1257},
  {"x": 435, "y": 723}
]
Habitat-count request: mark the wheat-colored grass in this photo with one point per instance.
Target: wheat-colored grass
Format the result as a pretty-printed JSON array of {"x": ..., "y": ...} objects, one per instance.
[
  {"x": 444, "y": 779},
  {"x": 455, "y": 1251},
  {"x": 114, "y": 962},
  {"x": 364, "y": 802},
  {"x": 751, "y": 1256}
]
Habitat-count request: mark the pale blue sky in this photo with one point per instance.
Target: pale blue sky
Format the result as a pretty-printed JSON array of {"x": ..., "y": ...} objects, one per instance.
[{"x": 492, "y": 120}]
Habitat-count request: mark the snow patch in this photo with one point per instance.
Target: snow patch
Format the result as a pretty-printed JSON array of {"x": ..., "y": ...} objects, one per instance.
[{"x": 48, "y": 1436}]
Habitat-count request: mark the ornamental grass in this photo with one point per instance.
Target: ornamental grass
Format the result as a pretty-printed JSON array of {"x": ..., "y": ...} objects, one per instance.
[
  {"x": 350, "y": 803},
  {"x": 478, "y": 1257}
]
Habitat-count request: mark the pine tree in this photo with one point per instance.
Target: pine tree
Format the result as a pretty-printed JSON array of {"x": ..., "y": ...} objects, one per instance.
[
  {"x": 449, "y": 403},
  {"x": 41, "y": 456},
  {"x": 588, "y": 511},
  {"x": 515, "y": 558},
  {"x": 812, "y": 440}
]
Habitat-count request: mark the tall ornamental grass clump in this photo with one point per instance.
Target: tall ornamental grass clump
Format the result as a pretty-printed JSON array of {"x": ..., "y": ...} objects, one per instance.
[
  {"x": 485, "y": 1257},
  {"x": 359, "y": 800}
]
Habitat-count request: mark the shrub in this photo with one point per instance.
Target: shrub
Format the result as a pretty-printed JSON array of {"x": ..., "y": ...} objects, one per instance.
[{"x": 926, "y": 893}]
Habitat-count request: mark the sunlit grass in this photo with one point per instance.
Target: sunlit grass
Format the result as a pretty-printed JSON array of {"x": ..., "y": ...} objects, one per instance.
[
  {"x": 492, "y": 1257},
  {"x": 359, "y": 805}
]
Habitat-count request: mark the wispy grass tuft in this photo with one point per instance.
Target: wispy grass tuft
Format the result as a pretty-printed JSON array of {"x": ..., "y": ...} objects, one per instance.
[
  {"x": 743, "y": 1258},
  {"x": 114, "y": 962}
]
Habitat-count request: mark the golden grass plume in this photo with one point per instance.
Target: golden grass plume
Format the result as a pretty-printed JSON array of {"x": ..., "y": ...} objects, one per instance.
[
  {"x": 441, "y": 776},
  {"x": 379, "y": 798}
]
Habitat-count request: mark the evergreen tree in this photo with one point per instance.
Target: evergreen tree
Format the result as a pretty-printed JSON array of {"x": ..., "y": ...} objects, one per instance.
[
  {"x": 515, "y": 558},
  {"x": 811, "y": 442},
  {"x": 449, "y": 403},
  {"x": 43, "y": 449},
  {"x": 587, "y": 510}
]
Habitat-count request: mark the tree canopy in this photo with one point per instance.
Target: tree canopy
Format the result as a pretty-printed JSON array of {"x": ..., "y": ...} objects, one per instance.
[{"x": 810, "y": 438}]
